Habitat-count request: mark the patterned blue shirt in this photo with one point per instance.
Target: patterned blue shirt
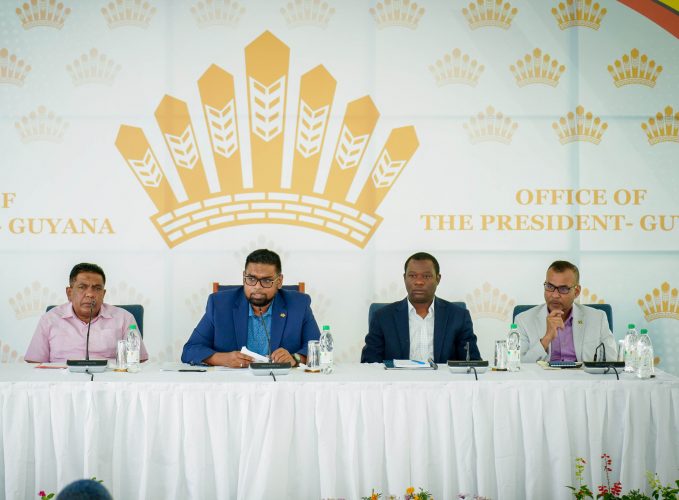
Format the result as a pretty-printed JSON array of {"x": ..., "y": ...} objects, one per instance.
[{"x": 257, "y": 341}]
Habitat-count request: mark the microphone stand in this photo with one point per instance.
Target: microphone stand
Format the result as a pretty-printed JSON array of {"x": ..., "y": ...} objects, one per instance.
[
  {"x": 469, "y": 370},
  {"x": 603, "y": 360},
  {"x": 87, "y": 342},
  {"x": 268, "y": 341}
]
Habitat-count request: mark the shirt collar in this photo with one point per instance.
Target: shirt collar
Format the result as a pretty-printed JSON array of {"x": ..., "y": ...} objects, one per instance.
[
  {"x": 251, "y": 312},
  {"x": 411, "y": 308},
  {"x": 104, "y": 312}
]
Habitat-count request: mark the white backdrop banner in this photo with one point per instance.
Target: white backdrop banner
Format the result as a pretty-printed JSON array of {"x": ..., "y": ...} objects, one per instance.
[{"x": 165, "y": 140}]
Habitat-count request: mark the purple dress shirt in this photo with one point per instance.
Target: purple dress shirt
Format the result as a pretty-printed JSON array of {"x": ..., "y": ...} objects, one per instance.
[{"x": 563, "y": 347}]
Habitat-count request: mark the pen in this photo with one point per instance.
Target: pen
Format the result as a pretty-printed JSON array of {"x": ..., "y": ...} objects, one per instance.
[{"x": 192, "y": 370}]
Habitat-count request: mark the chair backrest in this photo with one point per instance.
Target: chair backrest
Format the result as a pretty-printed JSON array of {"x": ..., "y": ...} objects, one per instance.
[
  {"x": 136, "y": 310},
  {"x": 376, "y": 306},
  {"x": 602, "y": 307},
  {"x": 217, "y": 287}
]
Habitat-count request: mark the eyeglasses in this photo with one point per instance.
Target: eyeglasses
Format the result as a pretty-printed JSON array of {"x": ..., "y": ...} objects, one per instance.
[
  {"x": 265, "y": 282},
  {"x": 563, "y": 289}
]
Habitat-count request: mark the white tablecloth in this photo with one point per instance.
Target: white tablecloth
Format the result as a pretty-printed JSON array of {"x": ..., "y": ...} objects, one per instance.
[{"x": 231, "y": 435}]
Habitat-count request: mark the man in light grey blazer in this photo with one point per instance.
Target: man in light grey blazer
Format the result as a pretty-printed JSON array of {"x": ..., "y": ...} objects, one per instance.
[{"x": 559, "y": 329}]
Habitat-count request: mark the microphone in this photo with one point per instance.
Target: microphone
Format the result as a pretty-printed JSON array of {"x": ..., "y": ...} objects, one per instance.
[
  {"x": 466, "y": 348},
  {"x": 88, "y": 365},
  {"x": 603, "y": 350},
  {"x": 269, "y": 368},
  {"x": 468, "y": 366},
  {"x": 603, "y": 366},
  {"x": 89, "y": 323}
]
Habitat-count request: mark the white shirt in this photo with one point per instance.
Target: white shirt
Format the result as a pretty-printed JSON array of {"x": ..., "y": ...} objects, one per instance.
[{"x": 421, "y": 333}]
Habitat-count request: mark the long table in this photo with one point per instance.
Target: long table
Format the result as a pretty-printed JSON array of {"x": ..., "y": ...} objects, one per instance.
[{"x": 229, "y": 434}]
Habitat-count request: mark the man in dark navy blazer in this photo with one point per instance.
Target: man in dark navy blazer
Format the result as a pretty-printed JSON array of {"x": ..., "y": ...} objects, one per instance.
[
  {"x": 250, "y": 315},
  {"x": 421, "y": 326}
]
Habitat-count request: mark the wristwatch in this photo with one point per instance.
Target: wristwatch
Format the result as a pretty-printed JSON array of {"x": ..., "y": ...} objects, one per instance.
[{"x": 298, "y": 359}]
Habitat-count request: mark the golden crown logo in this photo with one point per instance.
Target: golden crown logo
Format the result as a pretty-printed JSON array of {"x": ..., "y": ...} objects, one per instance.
[
  {"x": 43, "y": 13},
  {"x": 217, "y": 13},
  {"x": 128, "y": 13},
  {"x": 41, "y": 125},
  {"x": 632, "y": 69},
  {"x": 579, "y": 13},
  {"x": 402, "y": 13},
  {"x": 307, "y": 12},
  {"x": 457, "y": 67},
  {"x": 537, "y": 68},
  {"x": 491, "y": 126},
  {"x": 662, "y": 128},
  {"x": 12, "y": 69},
  {"x": 486, "y": 13},
  {"x": 580, "y": 126},
  {"x": 93, "y": 68},
  {"x": 662, "y": 304},
  {"x": 335, "y": 209},
  {"x": 33, "y": 301},
  {"x": 488, "y": 302},
  {"x": 587, "y": 297}
]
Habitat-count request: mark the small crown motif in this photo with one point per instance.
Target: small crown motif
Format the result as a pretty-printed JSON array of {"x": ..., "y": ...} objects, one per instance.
[
  {"x": 217, "y": 13},
  {"x": 579, "y": 13},
  {"x": 12, "y": 69},
  {"x": 632, "y": 69},
  {"x": 172, "y": 352},
  {"x": 537, "y": 68},
  {"x": 307, "y": 13},
  {"x": 33, "y": 301},
  {"x": 457, "y": 67},
  {"x": 128, "y": 13},
  {"x": 43, "y": 13},
  {"x": 331, "y": 209},
  {"x": 580, "y": 126},
  {"x": 486, "y": 13},
  {"x": 125, "y": 294},
  {"x": 402, "y": 13},
  {"x": 9, "y": 355},
  {"x": 93, "y": 68},
  {"x": 41, "y": 125},
  {"x": 195, "y": 303},
  {"x": 586, "y": 297},
  {"x": 662, "y": 128},
  {"x": 490, "y": 126},
  {"x": 488, "y": 302},
  {"x": 663, "y": 303}
]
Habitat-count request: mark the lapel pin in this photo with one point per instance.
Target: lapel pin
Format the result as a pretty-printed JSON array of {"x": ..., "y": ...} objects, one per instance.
[
  {"x": 579, "y": 322},
  {"x": 282, "y": 315}
]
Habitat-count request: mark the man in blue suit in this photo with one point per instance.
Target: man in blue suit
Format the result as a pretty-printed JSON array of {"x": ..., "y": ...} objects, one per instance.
[
  {"x": 251, "y": 315},
  {"x": 421, "y": 326}
]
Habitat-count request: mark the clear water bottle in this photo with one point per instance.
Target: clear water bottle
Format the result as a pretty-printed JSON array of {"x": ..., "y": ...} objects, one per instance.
[
  {"x": 133, "y": 349},
  {"x": 631, "y": 339},
  {"x": 326, "y": 350},
  {"x": 644, "y": 355},
  {"x": 513, "y": 349}
]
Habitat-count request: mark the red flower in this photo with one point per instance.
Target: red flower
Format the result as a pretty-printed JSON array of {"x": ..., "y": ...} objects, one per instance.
[
  {"x": 41, "y": 493},
  {"x": 617, "y": 488},
  {"x": 603, "y": 489}
]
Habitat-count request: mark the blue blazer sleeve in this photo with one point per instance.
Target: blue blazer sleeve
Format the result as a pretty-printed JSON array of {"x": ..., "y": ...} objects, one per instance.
[
  {"x": 201, "y": 344},
  {"x": 373, "y": 350},
  {"x": 463, "y": 334}
]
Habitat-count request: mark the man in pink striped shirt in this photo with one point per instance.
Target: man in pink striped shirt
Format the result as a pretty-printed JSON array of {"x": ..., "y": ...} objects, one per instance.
[{"x": 61, "y": 333}]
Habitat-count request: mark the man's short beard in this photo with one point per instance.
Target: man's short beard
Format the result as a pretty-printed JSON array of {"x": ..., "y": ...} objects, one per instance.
[{"x": 260, "y": 302}]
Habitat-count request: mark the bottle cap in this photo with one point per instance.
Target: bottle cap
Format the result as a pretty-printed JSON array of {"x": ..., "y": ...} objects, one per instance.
[
  {"x": 326, "y": 327},
  {"x": 644, "y": 331},
  {"x": 133, "y": 327},
  {"x": 630, "y": 326},
  {"x": 513, "y": 326}
]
